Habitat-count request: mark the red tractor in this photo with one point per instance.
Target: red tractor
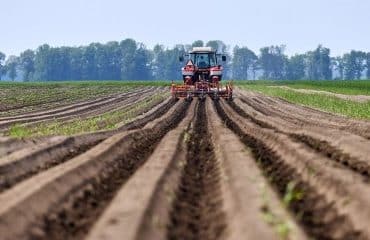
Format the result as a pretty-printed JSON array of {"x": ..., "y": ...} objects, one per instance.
[{"x": 202, "y": 76}]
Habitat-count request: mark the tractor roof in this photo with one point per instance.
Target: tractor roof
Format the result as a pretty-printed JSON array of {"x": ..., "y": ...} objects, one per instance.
[{"x": 202, "y": 50}]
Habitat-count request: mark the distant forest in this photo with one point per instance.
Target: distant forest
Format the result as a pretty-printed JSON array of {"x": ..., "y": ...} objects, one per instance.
[{"x": 131, "y": 60}]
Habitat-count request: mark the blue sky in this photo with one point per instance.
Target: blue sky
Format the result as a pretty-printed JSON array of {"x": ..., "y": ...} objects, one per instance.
[{"x": 300, "y": 24}]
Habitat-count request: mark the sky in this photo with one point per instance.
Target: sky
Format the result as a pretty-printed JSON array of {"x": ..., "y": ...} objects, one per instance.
[{"x": 301, "y": 25}]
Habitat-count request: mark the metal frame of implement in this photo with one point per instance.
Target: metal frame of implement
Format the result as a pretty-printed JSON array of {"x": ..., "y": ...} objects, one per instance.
[{"x": 202, "y": 89}]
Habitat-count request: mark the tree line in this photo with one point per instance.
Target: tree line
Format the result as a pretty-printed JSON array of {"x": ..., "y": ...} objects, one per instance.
[{"x": 131, "y": 60}]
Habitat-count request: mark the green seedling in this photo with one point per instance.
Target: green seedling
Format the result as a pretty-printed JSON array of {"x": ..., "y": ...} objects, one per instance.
[{"x": 292, "y": 194}]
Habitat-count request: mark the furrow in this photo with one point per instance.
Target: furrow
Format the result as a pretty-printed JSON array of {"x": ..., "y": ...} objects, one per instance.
[
  {"x": 9, "y": 145},
  {"x": 144, "y": 115},
  {"x": 70, "y": 107},
  {"x": 71, "y": 111},
  {"x": 253, "y": 208},
  {"x": 303, "y": 115},
  {"x": 324, "y": 198},
  {"x": 346, "y": 148},
  {"x": 197, "y": 210},
  {"x": 27, "y": 162},
  {"x": 140, "y": 210},
  {"x": 128, "y": 101},
  {"x": 58, "y": 110},
  {"x": 67, "y": 199}
]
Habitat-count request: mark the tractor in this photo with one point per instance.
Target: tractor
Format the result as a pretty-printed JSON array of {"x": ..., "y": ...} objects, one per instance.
[{"x": 202, "y": 75}]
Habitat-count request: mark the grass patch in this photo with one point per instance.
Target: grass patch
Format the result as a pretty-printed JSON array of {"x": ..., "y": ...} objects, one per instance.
[
  {"x": 318, "y": 101},
  {"x": 18, "y": 131}
]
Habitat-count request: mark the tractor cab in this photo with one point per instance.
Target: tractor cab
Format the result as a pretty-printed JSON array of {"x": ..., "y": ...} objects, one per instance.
[
  {"x": 203, "y": 59},
  {"x": 202, "y": 65}
]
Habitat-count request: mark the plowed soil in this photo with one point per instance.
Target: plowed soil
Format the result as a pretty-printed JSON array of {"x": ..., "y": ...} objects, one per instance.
[{"x": 254, "y": 168}]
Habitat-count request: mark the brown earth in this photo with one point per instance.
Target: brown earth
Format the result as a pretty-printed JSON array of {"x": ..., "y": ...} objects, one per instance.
[{"x": 254, "y": 168}]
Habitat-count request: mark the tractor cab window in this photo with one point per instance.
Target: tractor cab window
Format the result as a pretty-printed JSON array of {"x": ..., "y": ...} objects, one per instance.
[{"x": 203, "y": 60}]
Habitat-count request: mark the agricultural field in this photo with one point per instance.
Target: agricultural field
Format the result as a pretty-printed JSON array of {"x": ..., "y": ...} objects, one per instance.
[
  {"x": 348, "y": 98},
  {"x": 124, "y": 160}
]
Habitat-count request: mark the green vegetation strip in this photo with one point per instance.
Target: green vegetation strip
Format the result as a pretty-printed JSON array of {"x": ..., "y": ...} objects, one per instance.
[
  {"x": 343, "y": 87},
  {"x": 319, "y": 101},
  {"x": 353, "y": 87},
  {"x": 106, "y": 121}
]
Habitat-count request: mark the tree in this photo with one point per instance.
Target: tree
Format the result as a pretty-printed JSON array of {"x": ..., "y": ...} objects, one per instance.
[
  {"x": 217, "y": 45},
  {"x": 338, "y": 65},
  {"x": 128, "y": 51},
  {"x": 141, "y": 63},
  {"x": 273, "y": 62},
  {"x": 59, "y": 64},
  {"x": 77, "y": 63},
  {"x": 11, "y": 67},
  {"x": 254, "y": 68},
  {"x": 113, "y": 67},
  {"x": 319, "y": 64},
  {"x": 89, "y": 64},
  {"x": 165, "y": 64},
  {"x": 2, "y": 58},
  {"x": 198, "y": 43},
  {"x": 42, "y": 63},
  {"x": 296, "y": 67},
  {"x": 222, "y": 48},
  {"x": 159, "y": 60},
  {"x": 27, "y": 62},
  {"x": 325, "y": 64},
  {"x": 243, "y": 61},
  {"x": 368, "y": 65},
  {"x": 102, "y": 60},
  {"x": 129, "y": 60},
  {"x": 354, "y": 64}
]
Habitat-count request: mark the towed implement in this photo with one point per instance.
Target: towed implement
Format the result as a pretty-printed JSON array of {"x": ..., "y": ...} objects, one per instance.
[{"x": 202, "y": 76}]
